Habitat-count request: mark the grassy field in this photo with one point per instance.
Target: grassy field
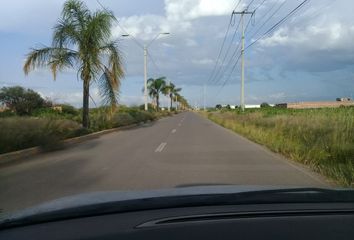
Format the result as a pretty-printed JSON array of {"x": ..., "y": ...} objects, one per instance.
[
  {"x": 47, "y": 127},
  {"x": 320, "y": 138}
]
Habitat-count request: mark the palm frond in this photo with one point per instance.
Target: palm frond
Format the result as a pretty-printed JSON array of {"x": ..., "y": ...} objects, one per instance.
[
  {"x": 115, "y": 59},
  {"x": 99, "y": 26},
  {"x": 109, "y": 88},
  {"x": 62, "y": 58},
  {"x": 37, "y": 58},
  {"x": 76, "y": 12},
  {"x": 65, "y": 33},
  {"x": 55, "y": 58},
  {"x": 110, "y": 81}
]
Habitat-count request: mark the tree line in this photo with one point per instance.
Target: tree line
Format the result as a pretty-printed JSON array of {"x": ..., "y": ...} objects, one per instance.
[{"x": 160, "y": 86}]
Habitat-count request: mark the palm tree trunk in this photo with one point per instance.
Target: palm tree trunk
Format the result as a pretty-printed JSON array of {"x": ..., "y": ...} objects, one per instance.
[
  {"x": 157, "y": 103},
  {"x": 171, "y": 102},
  {"x": 85, "y": 107}
]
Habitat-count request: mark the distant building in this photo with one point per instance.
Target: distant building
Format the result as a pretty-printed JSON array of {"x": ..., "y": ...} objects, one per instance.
[
  {"x": 341, "y": 102},
  {"x": 57, "y": 108},
  {"x": 343, "y": 99},
  {"x": 252, "y": 106}
]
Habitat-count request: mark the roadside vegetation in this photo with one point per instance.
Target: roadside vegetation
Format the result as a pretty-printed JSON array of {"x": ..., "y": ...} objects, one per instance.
[
  {"x": 320, "y": 138},
  {"x": 82, "y": 40},
  {"x": 28, "y": 120}
]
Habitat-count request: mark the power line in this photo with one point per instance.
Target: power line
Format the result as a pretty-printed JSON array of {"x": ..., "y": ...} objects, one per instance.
[
  {"x": 228, "y": 78},
  {"x": 259, "y": 5},
  {"x": 232, "y": 19},
  {"x": 270, "y": 17},
  {"x": 121, "y": 27},
  {"x": 223, "y": 44},
  {"x": 279, "y": 22},
  {"x": 249, "y": 5},
  {"x": 220, "y": 51},
  {"x": 227, "y": 52},
  {"x": 233, "y": 55},
  {"x": 234, "y": 66},
  {"x": 159, "y": 72},
  {"x": 238, "y": 3}
]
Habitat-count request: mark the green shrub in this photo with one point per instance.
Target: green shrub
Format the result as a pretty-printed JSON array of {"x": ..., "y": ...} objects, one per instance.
[
  {"x": 68, "y": 109},
  {"x": 46, "y": 113},
  {"x": 100, "y": 120},
  {"x": 7, "y": 113},
  {"x": 123, "y": 119}
]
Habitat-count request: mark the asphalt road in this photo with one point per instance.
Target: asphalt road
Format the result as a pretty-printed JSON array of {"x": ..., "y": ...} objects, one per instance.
[{"x": 182, "y": 150}]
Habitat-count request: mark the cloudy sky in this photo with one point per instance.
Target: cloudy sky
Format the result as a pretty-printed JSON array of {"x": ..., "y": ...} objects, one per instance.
[{"x": 310, "y": 57}]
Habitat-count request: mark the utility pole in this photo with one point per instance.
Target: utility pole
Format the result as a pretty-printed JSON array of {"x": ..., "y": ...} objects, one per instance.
[
  {"x": 242, "y": 95},
  {"x": 169, "y": 96},
  {"x": 204, "y": 92},
  {"x": 145, "y": 79},
  {"x": 176, "y": 103}
]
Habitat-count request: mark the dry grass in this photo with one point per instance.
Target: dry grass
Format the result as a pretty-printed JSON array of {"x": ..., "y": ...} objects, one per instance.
[
  {"x": 321, "y": 138},
  {"x": 23, "y": 132}
]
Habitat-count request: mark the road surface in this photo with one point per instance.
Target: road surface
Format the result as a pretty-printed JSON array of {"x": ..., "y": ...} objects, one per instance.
[{"x": 182, "y": 150}]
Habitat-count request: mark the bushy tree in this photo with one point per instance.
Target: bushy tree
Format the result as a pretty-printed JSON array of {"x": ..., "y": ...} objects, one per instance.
[{"x": 20, "y": 100}]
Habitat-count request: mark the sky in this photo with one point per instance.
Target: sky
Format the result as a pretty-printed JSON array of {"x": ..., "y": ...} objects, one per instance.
[{"x": 310, "y": 57}]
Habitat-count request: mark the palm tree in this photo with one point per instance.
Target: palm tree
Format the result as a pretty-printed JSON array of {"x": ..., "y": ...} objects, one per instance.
[
  {"x": 183, "y": 102},
  {"x": 172, "y": 91},
  {"x": 81, "y": 40},
  {"x": 155, "y": 87}
]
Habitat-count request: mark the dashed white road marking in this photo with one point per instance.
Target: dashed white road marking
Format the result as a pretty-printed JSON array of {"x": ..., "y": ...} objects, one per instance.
[
  {"x": 160, "y": 147},
  {"x": 179, "y": 124},
  {"x": 174, "y": 130}
]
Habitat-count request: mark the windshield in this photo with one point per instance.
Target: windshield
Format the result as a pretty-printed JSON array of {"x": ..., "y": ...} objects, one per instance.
[{"x": 100, "y": 96}]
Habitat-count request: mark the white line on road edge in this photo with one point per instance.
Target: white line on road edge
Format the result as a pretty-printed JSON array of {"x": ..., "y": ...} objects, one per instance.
[
  {"x": 160, "y": 147},
  {"x": 174, "y": 130}
]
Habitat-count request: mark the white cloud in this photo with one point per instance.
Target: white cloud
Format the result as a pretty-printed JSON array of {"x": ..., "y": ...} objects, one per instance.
[
  {"x": 315, "y": 37},
  {"x": 191, "y": 42},
  {"x": 204, "y": 61},
  {"x": 178, "y": 10},
  {"x": 143, "y": 27}
]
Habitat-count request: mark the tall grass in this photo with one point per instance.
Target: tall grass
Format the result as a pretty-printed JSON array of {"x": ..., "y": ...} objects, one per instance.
[
  {"x": 320, "y": 138},
  {"x": 48, "y": 127},
  {"x": 23, "y": 132}
]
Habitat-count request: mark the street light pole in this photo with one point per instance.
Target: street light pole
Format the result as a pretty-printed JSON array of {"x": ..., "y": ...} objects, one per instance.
[
  {"x": 145, "y": 67},
  {"x": 204, "y": 92},
  {"x": 145, "y": 79},
  {"x": 145, "y": 47},
  {"x": 169, "y": 95}
]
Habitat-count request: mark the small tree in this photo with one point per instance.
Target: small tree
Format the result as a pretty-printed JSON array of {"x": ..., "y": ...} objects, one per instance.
[
  {"x": 265, "y": 105},
  {"x": 20, "y": 100},
  {"x": 155, "y": 88}
]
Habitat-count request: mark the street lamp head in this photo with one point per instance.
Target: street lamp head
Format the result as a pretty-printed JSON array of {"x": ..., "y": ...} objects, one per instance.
[
  {"x": 125, "y": 35},
  {"x": 165, "y": 33}
]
